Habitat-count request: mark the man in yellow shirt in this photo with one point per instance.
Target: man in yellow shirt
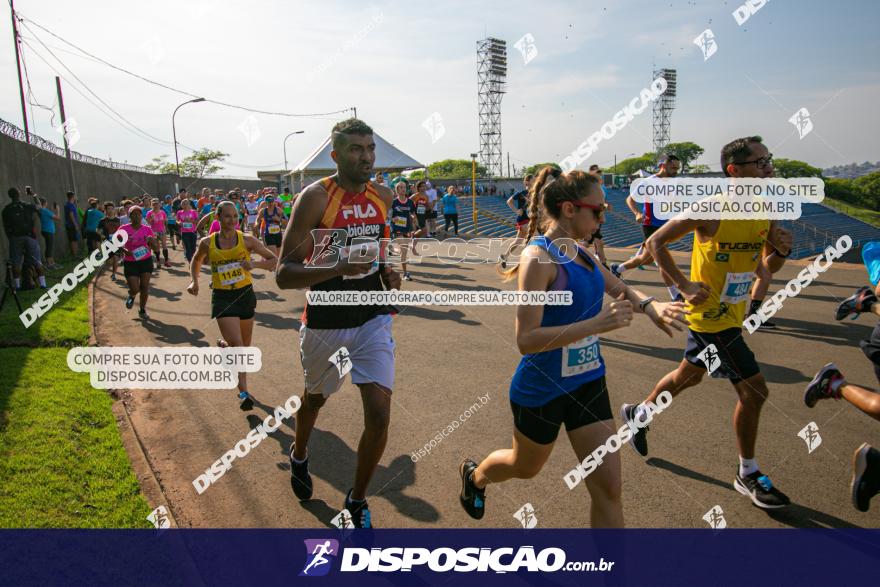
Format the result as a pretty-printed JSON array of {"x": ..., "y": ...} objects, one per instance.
[{"x": 725, "y": 255}]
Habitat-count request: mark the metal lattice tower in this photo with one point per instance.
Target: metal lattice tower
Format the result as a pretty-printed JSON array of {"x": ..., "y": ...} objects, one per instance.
[
  {"x": 491, "y": 80},
  {"x": 663, "y": 107}
]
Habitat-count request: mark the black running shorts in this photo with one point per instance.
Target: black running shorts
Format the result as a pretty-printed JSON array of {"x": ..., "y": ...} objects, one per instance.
[
  {"x": 136, "y": 268},
  {"x": 233, "y": 303},
  {"x": 871, "y": 348},
  {"x": 588, "y": 404},
  {"x": 648, "y": 230},
  {"x": 737, "y": 359},
  {"x": 273, "y": 239}
]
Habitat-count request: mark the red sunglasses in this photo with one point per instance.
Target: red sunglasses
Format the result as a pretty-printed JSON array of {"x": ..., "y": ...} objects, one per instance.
[{"x": 594, "y": 207}]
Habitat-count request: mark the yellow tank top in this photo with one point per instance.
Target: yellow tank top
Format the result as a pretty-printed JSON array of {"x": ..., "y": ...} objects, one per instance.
[
  {"x": 726, "y": 263},
  {"x": 226, "y": 270}
]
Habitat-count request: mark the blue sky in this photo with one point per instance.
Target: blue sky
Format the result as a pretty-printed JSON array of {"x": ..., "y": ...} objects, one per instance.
[{"x": 412, "y": 59}]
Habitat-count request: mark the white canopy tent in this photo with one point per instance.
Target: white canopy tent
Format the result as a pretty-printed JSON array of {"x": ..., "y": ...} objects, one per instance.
[{"x": 319, "y": 163}]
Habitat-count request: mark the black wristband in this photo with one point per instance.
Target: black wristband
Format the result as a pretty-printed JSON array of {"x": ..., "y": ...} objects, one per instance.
[{"x": 780, "y": 255}]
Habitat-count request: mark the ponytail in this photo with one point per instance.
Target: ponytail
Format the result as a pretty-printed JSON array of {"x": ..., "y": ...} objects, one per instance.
[{"x": 546, "y": 177}]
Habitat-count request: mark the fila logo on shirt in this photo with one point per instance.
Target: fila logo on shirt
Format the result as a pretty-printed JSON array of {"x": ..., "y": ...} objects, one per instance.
[{"x": 360, "y": 212}]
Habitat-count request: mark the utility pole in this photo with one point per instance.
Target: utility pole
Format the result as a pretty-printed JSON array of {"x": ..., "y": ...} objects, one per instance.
[
  {"x": 354, "y": 108},
  {"x": 64, "y": 134},
  {"x": 508, "y": 164},
  {"x": 27, "y": 134}
]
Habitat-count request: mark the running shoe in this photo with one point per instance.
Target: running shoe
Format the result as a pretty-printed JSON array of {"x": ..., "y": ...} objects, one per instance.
[
  {"x": 762, "y": 325},
  {"x": 639, "y": 440},
  {"x": 866, "y": 476},
  {"x": 615, "y": 270},
  {"x": 407, "y": 277},
  {"x": 359, "y": 510},
  {"x": 472, "y": 498},
  {"x": 245, "y": 401},
  {"x": 855, "y": 304},
  {"x": 129, "y": 303},
  {"x": 142, "y": 314},
  {"x": 167, "y": 264},
  {"x": 820, "y": 386},
  {"x": 300, "y": 478},
  {"x": 760, "y": 490},
  {"x": 503, "y": 262}
]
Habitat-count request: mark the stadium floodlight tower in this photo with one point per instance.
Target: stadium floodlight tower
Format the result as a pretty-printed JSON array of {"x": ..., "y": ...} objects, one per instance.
[
  {"x": 663, "y": 107},
  {"x": 491, "y": 80}
]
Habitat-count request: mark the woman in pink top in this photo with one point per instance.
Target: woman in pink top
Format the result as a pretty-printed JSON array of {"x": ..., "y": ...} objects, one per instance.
[
  {"x": 138, "y": 261},
  {"x": 157, "y": 218},
  {"x": 188, "y": 218}
]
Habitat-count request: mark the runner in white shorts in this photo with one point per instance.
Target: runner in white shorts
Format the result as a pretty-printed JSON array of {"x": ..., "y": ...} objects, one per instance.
[{"x": 343, "y": 210}]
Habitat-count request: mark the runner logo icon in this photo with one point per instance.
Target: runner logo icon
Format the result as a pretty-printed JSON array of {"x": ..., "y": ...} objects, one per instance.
[
  {"x": 715, "y": 518},
  {"x": 319, "y": 557},
  {"x": 526, "y": 516},
  {"x": 810, "y": 435},
  {"x": 709, "y": 356}
]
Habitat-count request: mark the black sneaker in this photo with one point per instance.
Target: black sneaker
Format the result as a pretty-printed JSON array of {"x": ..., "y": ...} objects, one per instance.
[
  {"x": 359, "y": 510},
  {"x": 866, "y": 476},
  {"x": 859, "y": 302},
  {"x": 820, "y": 386},
  {"x": 615, "y": 270},
  {"x": 762, "y": 325},
  {"x": 472, "y": 498},
  {"x": 639, "y": 440},
  {"x": 760, "y": 490},
  {"x": 142, "y": 314},
  {"x": 300, "y": 478},
  {"x": 245, "y": 401},
  {"x": 129, "y": 303}
]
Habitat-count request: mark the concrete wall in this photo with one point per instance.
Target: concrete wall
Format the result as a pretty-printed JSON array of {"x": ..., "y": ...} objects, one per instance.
[{"x": 22, "y": 164}]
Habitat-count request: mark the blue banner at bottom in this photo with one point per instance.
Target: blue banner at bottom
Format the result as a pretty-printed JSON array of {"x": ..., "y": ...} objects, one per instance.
[{"x": 439, "y": 557}]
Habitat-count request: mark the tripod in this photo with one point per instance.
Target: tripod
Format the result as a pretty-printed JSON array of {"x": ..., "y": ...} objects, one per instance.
[{"x": 9, "y": 288}]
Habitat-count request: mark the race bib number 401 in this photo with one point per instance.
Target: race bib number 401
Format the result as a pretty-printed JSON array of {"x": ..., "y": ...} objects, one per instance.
[{"x": 581, "y": 356}]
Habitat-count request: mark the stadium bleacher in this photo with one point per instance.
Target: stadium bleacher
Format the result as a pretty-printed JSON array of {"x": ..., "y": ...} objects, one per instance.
[{"x": 818, "y": 227}]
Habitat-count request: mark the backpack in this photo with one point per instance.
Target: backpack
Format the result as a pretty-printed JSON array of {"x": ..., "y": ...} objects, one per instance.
[{"x": 19, "y": 217}]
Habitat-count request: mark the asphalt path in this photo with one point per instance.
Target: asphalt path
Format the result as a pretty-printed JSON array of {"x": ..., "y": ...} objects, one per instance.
[{"x": 447, "y": 358}]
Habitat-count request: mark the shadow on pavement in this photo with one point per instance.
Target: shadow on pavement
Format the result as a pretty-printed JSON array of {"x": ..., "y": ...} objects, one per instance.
[
  {"x": 277, "y": 321},
  {"x": 174, "y": 333},
  {"x": 429, "y": 314},
  {"x": 795, "y": 515},
  {"x": 337, "y": 467}
]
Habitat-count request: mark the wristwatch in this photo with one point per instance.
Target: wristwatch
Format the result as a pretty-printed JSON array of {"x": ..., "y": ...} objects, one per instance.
[{"x": 644, "y": 303}]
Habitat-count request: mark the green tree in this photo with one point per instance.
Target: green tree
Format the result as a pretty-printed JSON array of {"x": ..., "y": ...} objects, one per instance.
[
  {"x": 795, "y": 168},
  {"x": 686, "y": 151},
  {"x": 699, "y": 168},
  {"x": 633, "y": 164},
  {"x": 453, "y": 169},
  {"x": 534, "y": 169},
  {"x": 199, "y": 164},
  {"x": 420, "y": 174}
]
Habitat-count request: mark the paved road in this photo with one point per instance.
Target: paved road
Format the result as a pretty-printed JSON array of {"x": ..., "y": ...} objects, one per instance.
[{"x": 446, "y": 359}]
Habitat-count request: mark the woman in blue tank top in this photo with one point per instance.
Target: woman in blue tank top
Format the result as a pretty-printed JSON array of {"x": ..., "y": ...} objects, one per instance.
[{"x": 561, "y": 377}]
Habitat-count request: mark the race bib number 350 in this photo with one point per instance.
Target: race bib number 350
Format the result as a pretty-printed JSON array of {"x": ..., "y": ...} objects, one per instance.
[
  {"x": 736, "y": 287},
  {"x": 581, "y": 356}
]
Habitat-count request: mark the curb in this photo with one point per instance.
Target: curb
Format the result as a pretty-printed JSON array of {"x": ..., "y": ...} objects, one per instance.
[{"x": 140, "y": 463}]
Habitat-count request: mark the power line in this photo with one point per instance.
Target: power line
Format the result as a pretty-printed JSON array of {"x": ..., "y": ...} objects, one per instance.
[
  {"x": 167, "y": 87},
  {"x": 89, "y": 100}
]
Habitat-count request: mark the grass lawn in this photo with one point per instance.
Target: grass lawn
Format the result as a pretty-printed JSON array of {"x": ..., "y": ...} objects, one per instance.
[
  {"x": 864, "y": 214},
  {"x": 62, "y": 463}
]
